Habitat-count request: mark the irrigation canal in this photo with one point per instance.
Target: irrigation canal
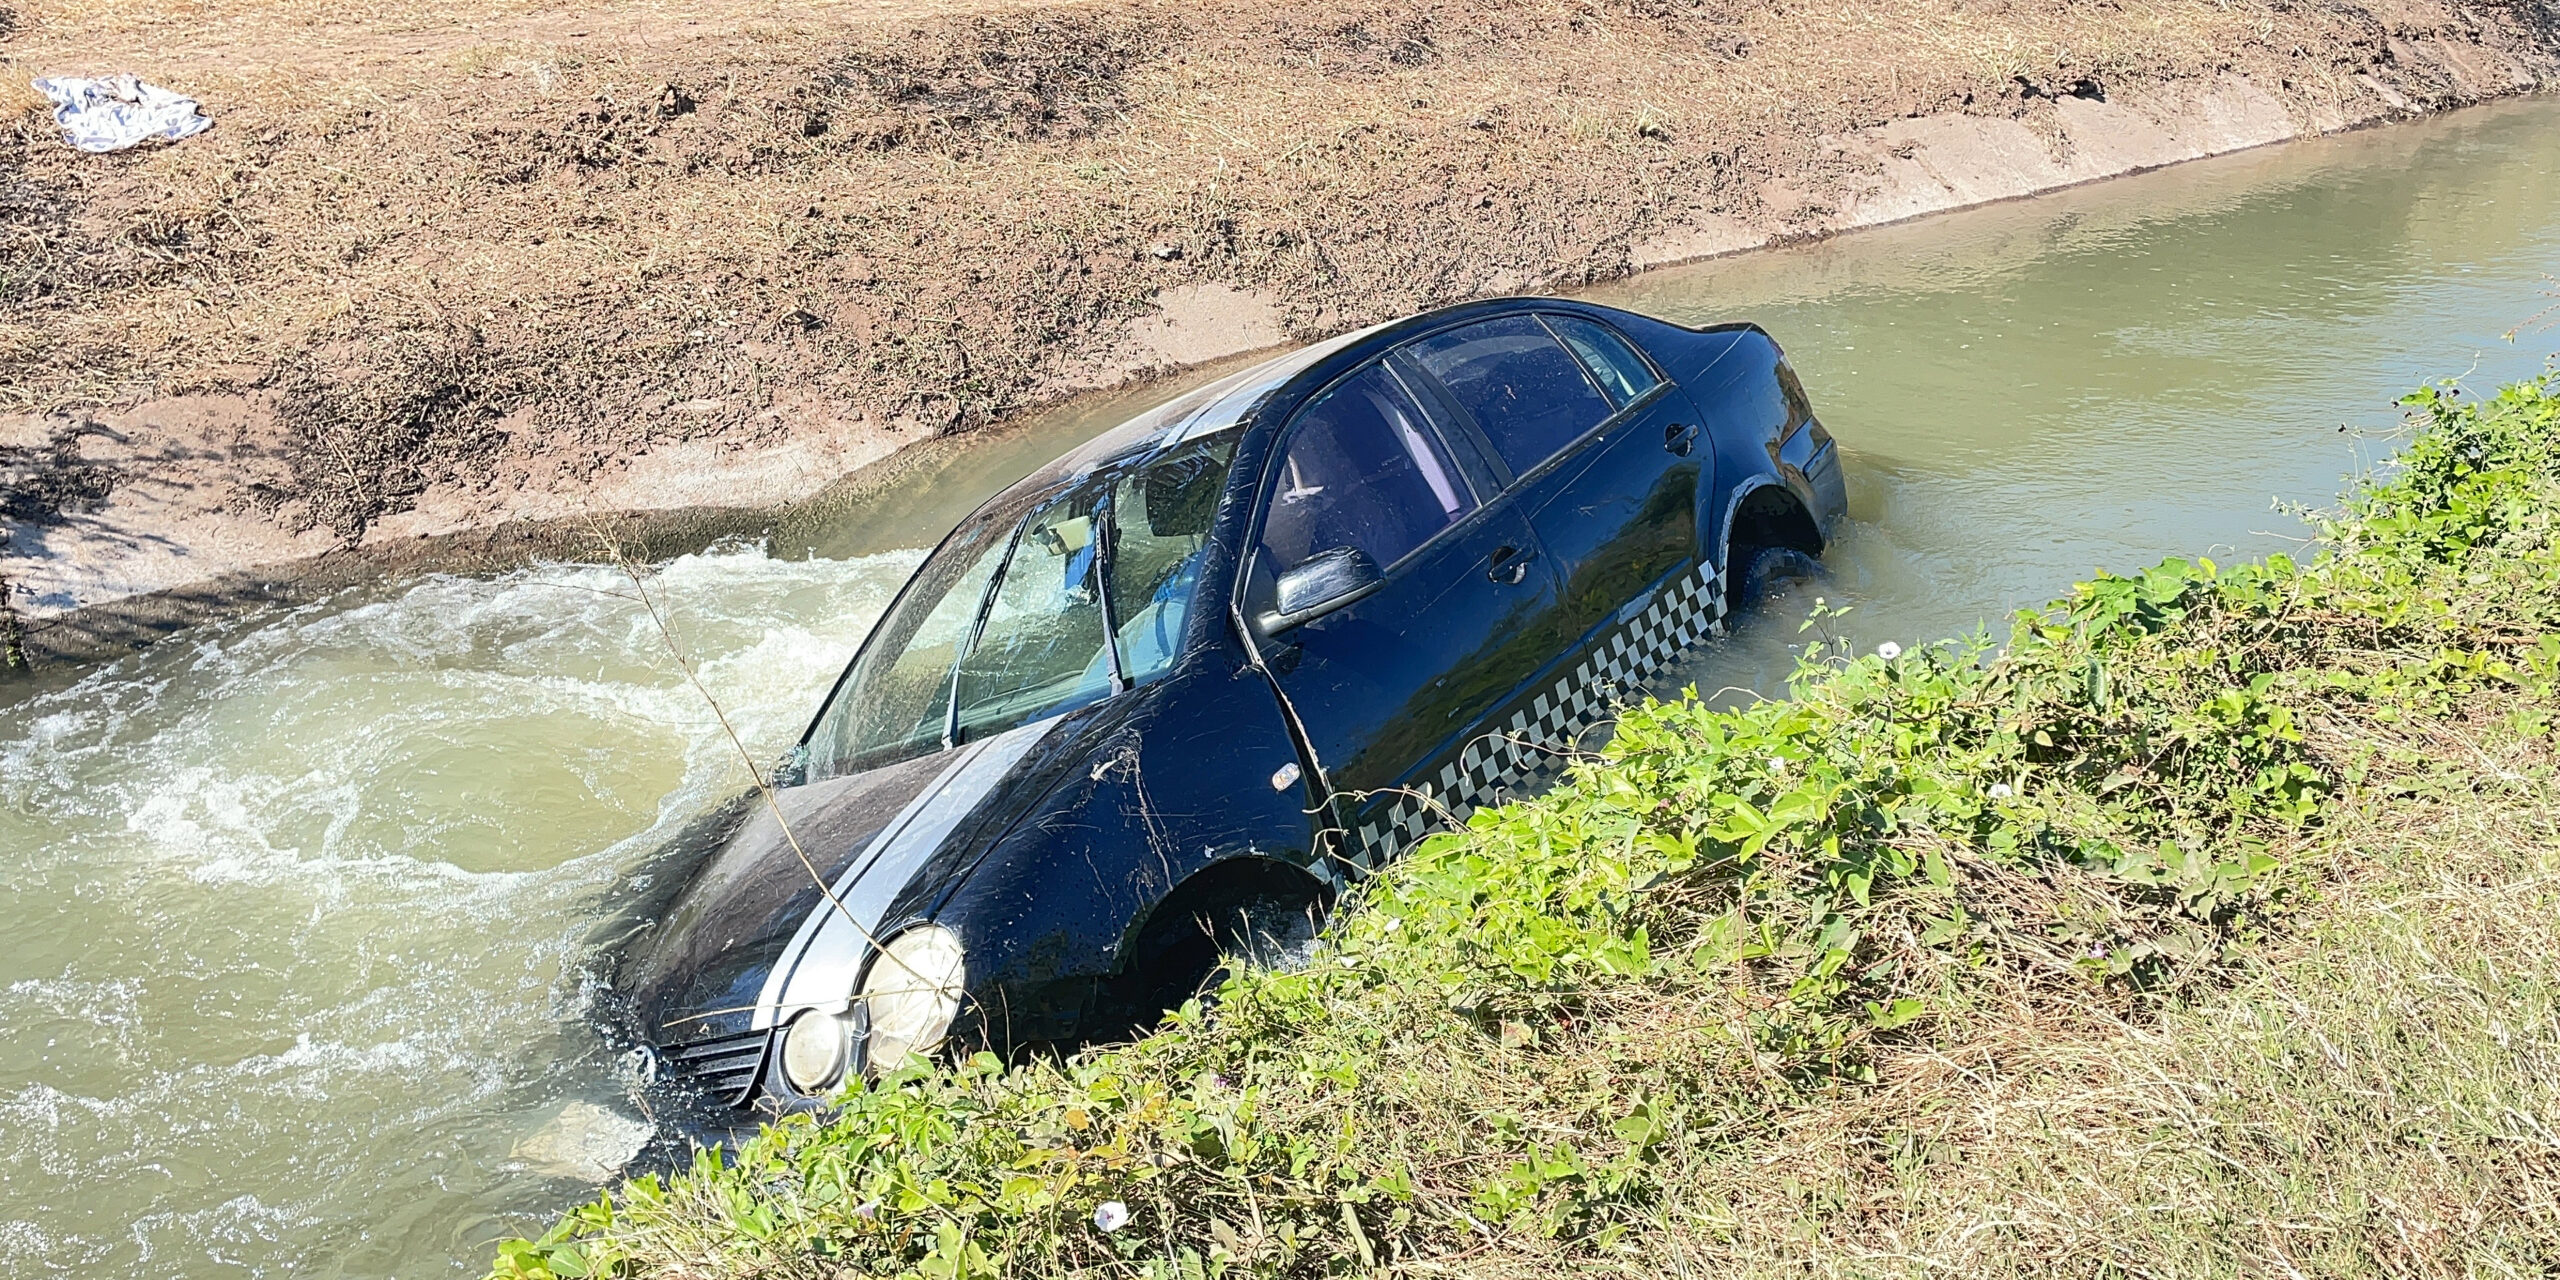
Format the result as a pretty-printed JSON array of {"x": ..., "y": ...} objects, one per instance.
[{"x": 302, "y": 901}]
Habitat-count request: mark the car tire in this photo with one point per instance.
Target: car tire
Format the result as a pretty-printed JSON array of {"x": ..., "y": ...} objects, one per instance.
[
  {"x": 1272, "y": 934},
  {"x": 1187, "y": 953},
  {"x": 1769, "y": 572}
]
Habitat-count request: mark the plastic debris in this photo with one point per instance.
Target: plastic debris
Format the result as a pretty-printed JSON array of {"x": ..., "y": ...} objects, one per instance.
[{"x": 120, "y": 112}]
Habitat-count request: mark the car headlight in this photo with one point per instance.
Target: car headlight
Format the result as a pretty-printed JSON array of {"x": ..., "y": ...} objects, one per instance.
[
  {"x": 814, "y": 1050},
  {"x": 912, "y": 993}
]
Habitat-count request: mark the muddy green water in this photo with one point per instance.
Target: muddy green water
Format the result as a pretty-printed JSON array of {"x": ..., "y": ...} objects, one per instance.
[{"x": 298, "y": 906}]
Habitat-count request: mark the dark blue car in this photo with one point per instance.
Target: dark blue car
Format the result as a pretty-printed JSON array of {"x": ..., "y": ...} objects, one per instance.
[{"x": 1166, "y": 698}]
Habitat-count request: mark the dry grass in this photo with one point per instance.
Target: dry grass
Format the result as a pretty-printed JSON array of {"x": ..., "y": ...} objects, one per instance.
[
  {"x": 612, "y": 224},
  {"x": 2377, "y": 1095}
]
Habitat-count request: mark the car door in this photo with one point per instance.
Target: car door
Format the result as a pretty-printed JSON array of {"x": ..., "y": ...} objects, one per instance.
[
  {"x": 1390, "y": 681},
  {"x": 1603, "y": 454}
]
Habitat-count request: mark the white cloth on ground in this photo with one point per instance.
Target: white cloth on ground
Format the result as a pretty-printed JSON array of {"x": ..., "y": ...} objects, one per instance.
[{"x": 119, "y": 111}]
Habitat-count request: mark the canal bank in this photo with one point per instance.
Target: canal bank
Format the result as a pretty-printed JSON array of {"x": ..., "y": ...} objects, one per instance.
[{"x": 566, "y": 269}]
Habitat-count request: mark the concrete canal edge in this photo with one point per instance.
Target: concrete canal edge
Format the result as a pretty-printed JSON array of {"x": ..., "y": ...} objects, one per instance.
[{"x": 200, "y": 515}]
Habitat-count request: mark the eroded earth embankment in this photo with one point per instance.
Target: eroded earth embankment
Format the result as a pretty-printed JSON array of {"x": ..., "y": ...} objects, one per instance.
[{"x": 456, "y": 284}]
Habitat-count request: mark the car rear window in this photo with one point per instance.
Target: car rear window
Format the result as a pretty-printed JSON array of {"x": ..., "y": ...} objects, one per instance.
[
  {"x": 1362, "y": 468},
  {"x": 1526, "y": 393},
  {"x": 1613, "y": 364}
]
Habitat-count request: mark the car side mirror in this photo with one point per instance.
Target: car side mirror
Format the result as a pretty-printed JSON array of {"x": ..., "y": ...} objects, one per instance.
[{"x": 1325, "y": 582}]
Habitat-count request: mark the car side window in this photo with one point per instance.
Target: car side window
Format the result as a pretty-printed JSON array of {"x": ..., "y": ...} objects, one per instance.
[
  {"x": 1621, "y": 373},
  {"x": 1527, "y": 395},
  {"x": 1362, "y": 468}
]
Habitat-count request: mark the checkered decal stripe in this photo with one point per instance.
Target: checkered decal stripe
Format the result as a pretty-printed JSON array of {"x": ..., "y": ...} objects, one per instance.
[{"x": 1537, "y": 740}]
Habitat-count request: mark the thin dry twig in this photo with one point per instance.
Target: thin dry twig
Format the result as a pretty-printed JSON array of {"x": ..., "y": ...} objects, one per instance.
[{"x": 763, "y": 784}]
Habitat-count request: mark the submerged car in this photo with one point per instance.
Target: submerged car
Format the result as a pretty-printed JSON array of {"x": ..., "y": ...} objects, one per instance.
[{"x": 1167, "y": 697}]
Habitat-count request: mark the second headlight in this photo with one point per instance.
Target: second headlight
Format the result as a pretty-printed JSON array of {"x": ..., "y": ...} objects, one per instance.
[{"x": 814, "y": 1050}]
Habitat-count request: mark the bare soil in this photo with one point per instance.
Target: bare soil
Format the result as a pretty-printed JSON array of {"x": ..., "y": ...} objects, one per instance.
[{"x": 436, "y": 258}]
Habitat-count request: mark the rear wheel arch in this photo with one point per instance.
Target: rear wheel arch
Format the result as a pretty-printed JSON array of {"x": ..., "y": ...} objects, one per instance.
[{"x": 1766, "y": 514}]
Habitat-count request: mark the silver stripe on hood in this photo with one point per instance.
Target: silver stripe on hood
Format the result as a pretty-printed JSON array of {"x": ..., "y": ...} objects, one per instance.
[{"x": 825, "y": 956}]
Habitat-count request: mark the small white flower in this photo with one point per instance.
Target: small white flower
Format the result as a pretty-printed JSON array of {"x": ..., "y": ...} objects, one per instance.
[
  {"x": 868, "y": 1210},
  {"x": 1777, "y": 764},
  {"x": 2001, "y": 791},
  {"x": 1110, "y": 1216},
  {"x": 1888, "y": 651}
]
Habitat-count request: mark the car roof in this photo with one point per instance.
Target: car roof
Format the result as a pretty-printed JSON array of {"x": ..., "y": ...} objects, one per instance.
[
  {"x": 1195, "y": 413},
  {"x": 1232, "y": 399}
]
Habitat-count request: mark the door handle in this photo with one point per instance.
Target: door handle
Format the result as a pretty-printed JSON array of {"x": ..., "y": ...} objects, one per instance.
[
  {"x": 1510, "y": 566},
  {"x": 1679, "y": 439}
]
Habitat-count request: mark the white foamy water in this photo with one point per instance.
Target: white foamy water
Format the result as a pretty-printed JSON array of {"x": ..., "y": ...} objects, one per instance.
[{"x": 300, "y": 905}]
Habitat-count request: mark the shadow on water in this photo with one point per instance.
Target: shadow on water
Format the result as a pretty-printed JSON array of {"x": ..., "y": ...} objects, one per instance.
[{"x": 303, "y": 904}]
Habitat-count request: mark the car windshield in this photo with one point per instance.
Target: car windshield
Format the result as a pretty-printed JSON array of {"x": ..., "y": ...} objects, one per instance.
[{"x": 1010, "y": 622}]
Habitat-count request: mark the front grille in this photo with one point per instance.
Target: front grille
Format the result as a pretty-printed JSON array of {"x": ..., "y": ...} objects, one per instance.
[{"x": 726, "y": 1068}]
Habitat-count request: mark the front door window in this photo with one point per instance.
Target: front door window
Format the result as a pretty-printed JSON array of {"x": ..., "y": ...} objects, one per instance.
[{"x": 1362, "y": 469}]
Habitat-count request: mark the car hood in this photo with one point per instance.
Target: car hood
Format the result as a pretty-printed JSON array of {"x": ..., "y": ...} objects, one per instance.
[{"x": 754, "y": 936}]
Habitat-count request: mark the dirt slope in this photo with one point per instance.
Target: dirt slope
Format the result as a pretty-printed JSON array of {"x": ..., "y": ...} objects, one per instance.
[{"x": 444, "y": 266}]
